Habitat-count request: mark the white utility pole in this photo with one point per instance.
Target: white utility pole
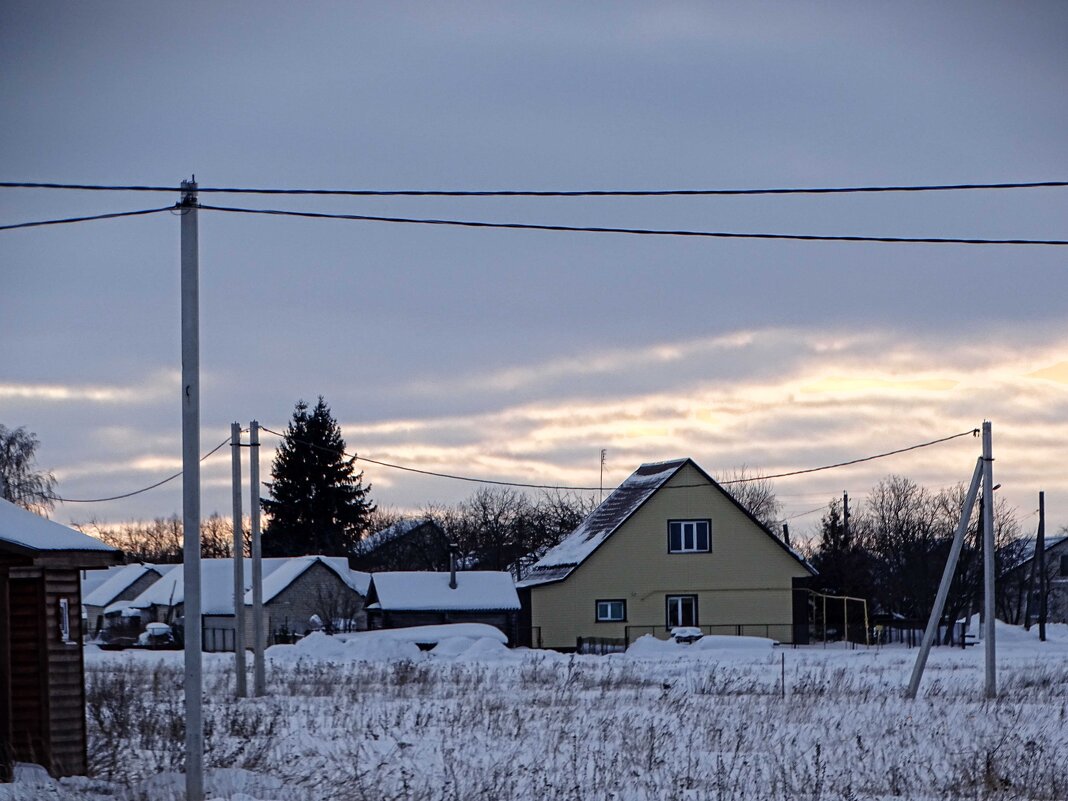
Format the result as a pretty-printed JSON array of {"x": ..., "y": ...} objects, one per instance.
[
  {"x": 194, "y": 721},
  {"x": 988, "y": 562},
  {"x": 259, "y": 672},
  {"x": 241, "y": 688}
]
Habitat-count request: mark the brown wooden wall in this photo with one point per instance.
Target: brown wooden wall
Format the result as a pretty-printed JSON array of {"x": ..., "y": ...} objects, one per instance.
[{"x": 46, "y": 691}]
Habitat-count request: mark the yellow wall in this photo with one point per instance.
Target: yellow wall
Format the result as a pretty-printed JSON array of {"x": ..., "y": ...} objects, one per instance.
[{"x": 746, "y": 578}]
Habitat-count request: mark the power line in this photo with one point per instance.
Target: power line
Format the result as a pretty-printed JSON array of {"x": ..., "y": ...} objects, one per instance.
[
  {"x": 638, "y": 231},
  {"x": 66, "y": 220},
  {"x": 143, "y": 489},
  {"x": 971, "y": 432},
  {"x": 822, "y": 190}
]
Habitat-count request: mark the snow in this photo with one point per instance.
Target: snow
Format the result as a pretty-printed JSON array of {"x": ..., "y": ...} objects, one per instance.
[
  {"x": 423, "y": 591},
  {"x": 23, "y": 528},
  {"x": 291, "y": 569},
  {"x": 117, "y": 581},
  {"x": 470, "y": 719},
  {"x": 558, "y": 562}
]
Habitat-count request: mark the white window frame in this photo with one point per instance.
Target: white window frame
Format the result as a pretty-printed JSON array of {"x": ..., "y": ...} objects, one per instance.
[
  {"x": 671, "y": 624},
  {"x": 690, "y": 536},
  {"x": 606, "y": 605}
]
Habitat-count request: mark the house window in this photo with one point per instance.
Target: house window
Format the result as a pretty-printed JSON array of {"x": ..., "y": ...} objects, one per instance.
[
  {"x": 611, "y": 611},
  {"x": 688, "y": 536},
  {"x": 1064, "y": 565},
  {"x": 64, "y": 620},
  {"x": 681, "y": 611}
]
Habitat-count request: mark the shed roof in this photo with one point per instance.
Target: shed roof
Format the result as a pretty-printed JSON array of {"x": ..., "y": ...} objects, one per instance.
[
  {"x": 412, "y": 591},
  {"x": 26, "y": 533}
]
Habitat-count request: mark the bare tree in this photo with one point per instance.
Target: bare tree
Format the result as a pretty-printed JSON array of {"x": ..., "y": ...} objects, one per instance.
[
  {"x": 755, "y": 493},
  {"x": 162, "y": 540},
  {"x": 20, "y": 480}
]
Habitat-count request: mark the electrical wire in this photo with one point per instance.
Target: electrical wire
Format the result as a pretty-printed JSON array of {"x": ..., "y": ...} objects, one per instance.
[
  {"x": 971, "y": 432},
  {"x": 143, "y": 489},
  {"x": 822, "y": 190},
  {"x": 65, "y": 220},
  {"x": 638, "y": 231}
]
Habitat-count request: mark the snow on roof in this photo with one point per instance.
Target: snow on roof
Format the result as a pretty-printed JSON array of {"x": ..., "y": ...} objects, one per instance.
[
  {"x": 27, "y": 530},
  {"x": 118, "y": 579},
  {"x": 1028, "y": 546},
  {"x": 624, "y": 501},
  {"x": 374, "y": 541},
  {"x": 425, "y": 591},
  {"x": 217, "y": 582},
  {"x": 295, "y": 567}
]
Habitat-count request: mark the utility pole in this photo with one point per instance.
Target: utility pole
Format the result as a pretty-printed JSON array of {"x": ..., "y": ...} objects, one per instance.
[
  {"x": 845, "y": 516},
  {"x": 259, "y": 673},
  {"x": 1040, "y": 557},
  {"x": 194, "y": 696},
  {"x": 604, "y": 453},
  {"x": 241, "y": 687},
  {"x": 988, "y": 562}
]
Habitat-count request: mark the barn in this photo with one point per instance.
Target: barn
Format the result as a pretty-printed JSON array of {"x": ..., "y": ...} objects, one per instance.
[{"x": 42, "y": 682}]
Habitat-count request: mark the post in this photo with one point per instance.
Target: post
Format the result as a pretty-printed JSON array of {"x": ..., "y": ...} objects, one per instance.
[
  {"x": 453, "y": 548},
  {"x": 845, "y": 619},
  {"x": 845, "y": 515},
  {"x": 194, "y": 720},
  {"x": 988, "y": 561},
  {"x": 259, "y": 672},
  {"x": 947, "y": 579},
  {"x": 786, "y": 534},
  {"x": 241, "y": 686},
  {"x": 604, "y": 453},
  {"x": 1040, "y": 557}
]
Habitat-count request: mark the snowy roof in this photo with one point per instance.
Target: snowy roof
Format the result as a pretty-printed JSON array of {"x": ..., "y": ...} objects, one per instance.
[
  {"x": 118, "y": 580},
  {"x": 217, "y": 582},
  {"x": 289, "y": 572},
  {"x": 1028, "y": 546},
  {"x": 27, "y": 531},
  {"x": 624, "y": 501},
  {"x": 425, "y": 591},
  {"x": 373, "y": 542}
]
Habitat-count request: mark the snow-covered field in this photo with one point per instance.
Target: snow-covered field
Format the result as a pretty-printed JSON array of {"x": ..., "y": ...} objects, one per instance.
[{"x": 374, "y": 718}]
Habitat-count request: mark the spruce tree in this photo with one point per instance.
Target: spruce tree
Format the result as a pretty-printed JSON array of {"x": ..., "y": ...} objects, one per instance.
[{"x": 318, "y": 503}]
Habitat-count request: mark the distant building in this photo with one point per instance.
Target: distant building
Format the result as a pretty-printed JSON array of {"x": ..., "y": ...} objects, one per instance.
[
  {"x": 1013, "y": 584},
  {"x": 121, "y": 583},
  {"x": 42, "y": 680},
  {"x": 418, "y": 544},
  {"x": 402, "y": 599}
]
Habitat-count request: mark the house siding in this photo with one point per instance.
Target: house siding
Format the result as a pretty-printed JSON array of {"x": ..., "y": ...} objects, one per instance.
[{"x": 746, "y": 579}]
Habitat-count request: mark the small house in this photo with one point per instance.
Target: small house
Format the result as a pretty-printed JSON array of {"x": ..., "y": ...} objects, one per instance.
[
  {"x": 42, "y": 679},
  {"x": 402, "y": 599},
  {"x": 669, "y": 548},
  {"x": 121, "y": 583},
  {"x": 417, "y": 544}
]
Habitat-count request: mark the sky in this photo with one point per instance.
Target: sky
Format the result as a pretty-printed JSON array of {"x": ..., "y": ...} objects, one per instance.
[{"x": 519, "y": 355}]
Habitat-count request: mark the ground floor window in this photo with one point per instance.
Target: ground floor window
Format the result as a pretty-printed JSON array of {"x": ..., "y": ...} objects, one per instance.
[
  {"x": 611, "y": 611},
  {"x": 681, "y": 610}
]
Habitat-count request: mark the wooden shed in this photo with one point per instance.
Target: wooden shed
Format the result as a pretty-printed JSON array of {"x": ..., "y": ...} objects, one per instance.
[{"x": 42, "y": 681}]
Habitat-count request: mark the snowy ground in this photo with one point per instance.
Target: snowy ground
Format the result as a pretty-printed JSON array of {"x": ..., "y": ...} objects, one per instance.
[{"x": 375, "y": 718}]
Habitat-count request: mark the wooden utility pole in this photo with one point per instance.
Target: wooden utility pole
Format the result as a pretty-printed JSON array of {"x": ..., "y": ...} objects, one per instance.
[{"x": 194, "y": 720}]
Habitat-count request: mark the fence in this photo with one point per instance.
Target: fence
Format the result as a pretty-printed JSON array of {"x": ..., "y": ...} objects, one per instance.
[
  {"x": 769, "y": 630},
  {"x": 600, "y": 646}
]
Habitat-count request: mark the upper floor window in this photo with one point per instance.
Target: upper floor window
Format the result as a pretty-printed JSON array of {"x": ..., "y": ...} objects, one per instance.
[{"x": 688, "y": 536}]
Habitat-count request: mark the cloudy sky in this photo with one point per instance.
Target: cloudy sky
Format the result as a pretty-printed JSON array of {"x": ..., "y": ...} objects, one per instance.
[{"x": 518, "y": 355}]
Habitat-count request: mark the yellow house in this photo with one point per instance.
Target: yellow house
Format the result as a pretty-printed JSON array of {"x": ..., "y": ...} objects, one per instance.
[{"x": 668, "y": 548}]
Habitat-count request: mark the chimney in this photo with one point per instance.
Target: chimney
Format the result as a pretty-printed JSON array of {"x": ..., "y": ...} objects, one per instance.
[
  {"x": 452, "y": 565},
  {"x": 786, "y": 534}
]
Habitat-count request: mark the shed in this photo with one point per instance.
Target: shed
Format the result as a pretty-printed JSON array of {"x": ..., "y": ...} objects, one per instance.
[
  {"x": 42, "y": 680},
  {"x": 402, "y": 599}
]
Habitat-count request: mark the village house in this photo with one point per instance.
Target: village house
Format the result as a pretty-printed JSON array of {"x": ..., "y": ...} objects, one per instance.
[
  {"x": 42, "y": 679},
  {"x": 403, "y": 599},
  {"x": 416, "y": 544},
  {"x": 294, "y": 589},
  {"x": 669, "y": 548},
  {"x": 121, "y": 583},
  {"x": 1015, "y": 583}
]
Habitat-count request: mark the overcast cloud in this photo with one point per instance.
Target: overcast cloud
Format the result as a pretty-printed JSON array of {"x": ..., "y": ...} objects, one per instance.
[{"x": 519, "y": 355}]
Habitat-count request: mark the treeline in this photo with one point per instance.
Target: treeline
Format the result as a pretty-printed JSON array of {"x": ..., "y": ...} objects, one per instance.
[
  {"x": 895, "y": 547},
  {"x": 160, "y": 541}
]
